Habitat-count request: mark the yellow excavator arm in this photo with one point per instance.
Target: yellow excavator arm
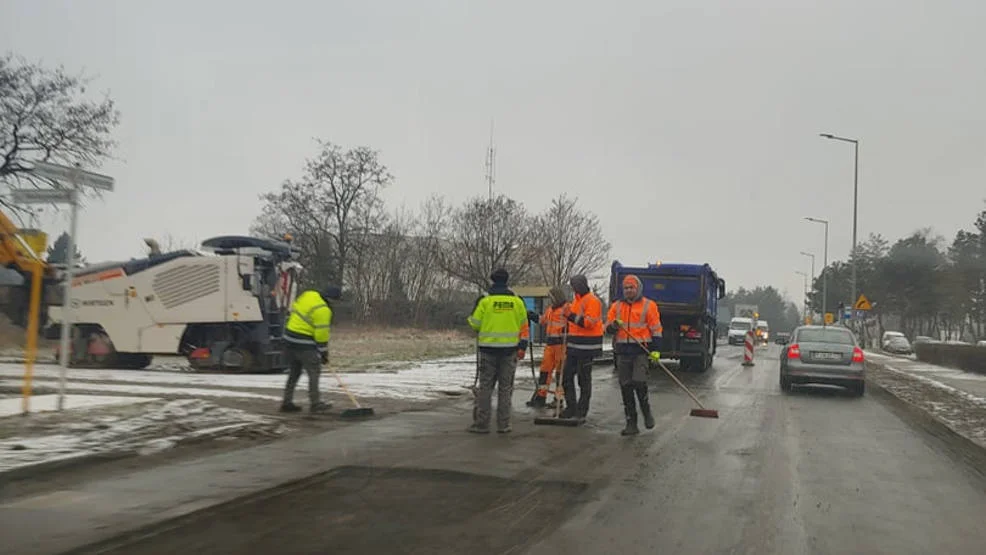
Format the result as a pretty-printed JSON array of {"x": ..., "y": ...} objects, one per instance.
[{"x": 20, "y": 251}]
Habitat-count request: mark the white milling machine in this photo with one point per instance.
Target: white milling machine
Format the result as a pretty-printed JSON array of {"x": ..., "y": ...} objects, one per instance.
[{"x": 223, "y": 307}]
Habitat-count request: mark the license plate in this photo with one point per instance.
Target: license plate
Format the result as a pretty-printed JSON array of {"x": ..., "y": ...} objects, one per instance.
[{"x": 827, "y": 356}]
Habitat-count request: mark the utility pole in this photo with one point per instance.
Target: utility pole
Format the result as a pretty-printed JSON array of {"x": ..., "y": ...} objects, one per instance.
[
  {"x": 490, "y": 180},
  {"x": 855, "y": 208}
]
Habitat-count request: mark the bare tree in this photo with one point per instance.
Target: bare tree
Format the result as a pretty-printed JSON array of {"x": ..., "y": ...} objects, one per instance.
[
  {"x": 484, "y": 235},
  {"x": 44, "y": 117},
  {"x": 352, "y": 180},
  {"x": 304, "y": 211},
  {"x": 571, "y": 242}
]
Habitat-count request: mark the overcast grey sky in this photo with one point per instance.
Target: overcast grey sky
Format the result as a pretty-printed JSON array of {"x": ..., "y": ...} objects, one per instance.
[{"x": 690, "y": 127}]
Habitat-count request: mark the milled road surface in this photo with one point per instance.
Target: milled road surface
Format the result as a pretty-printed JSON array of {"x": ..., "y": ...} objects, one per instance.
[{"x": 815, "y": 471}]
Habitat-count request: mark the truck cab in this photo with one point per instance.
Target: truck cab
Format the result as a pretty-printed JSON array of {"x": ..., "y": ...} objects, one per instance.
[{"x": 688, "y": 296}]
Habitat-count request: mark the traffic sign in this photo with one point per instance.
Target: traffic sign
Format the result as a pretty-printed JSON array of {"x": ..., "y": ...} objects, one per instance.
[
  {"x": 829, "y": 318},
  {"x": 41, "y": 196},
  {"x": 69, "y": 174},
  {"x": 74, "y": 177},
  {"x": 862, "y": 303}
]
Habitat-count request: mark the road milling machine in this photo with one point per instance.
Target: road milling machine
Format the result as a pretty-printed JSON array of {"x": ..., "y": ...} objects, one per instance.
[{"x": 222, "y": 306}]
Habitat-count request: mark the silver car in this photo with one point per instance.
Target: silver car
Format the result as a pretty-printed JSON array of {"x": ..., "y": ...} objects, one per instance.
[{"x": 823, "y": 355}]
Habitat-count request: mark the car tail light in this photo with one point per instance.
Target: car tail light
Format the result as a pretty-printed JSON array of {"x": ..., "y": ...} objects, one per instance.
[
  {"x": 857, "y": 354},
  {"x": 794, "y": 351},
  {"x": 693, "y": 334},
  {"x": 201, "y": 353}
]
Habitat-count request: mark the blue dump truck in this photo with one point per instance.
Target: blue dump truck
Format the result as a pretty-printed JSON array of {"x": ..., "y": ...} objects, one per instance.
[{"x": 688, "y": 296}]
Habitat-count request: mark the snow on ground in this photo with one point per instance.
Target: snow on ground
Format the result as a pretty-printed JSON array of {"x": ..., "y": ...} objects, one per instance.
[
  {"x": 143, "y": 429},
  {"x": 47, "y": 403},
  {"x": 962, "y": 411},
  {"x": 423, "y": 381}
]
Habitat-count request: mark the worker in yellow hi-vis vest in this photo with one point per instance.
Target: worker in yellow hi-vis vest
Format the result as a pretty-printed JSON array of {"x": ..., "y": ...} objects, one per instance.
[{"x": 306, "y": 337}]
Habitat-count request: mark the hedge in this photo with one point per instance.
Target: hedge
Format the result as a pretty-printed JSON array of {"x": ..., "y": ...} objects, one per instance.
[{"x": 966, "y": 357}]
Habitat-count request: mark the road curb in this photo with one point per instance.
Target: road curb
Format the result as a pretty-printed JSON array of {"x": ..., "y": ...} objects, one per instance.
[{"x": 960, "y": 445}]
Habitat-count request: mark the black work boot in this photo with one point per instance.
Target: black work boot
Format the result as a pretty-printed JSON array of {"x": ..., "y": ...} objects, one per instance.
[
  {"x": 630, "y": 410},
  {"x": 631, "y": 427},
  {"x": 319, "y": 408},
  {"x": 645, "y": 405},
  {"x": 289, "y": 407}
]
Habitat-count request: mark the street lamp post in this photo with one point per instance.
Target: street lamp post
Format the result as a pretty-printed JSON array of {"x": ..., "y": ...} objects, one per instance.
[
  {"x": 812, "y": 256},
  {"x": 825, "y": 264},
  {"x": 855, "y": 201},
  {"x": 805, "y": 276}
]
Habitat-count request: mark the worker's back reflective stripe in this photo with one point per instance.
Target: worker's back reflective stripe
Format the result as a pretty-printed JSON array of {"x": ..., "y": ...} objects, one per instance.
[
  {"x": 307, "y": 317},
  {"x": 490, "y": 334},
  {"x": 301, "y": 340},
  {"x": 585, "y": 342}
]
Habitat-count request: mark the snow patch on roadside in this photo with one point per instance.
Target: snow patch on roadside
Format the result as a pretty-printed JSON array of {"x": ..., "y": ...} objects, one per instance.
[
  {"x": 961, "y": 411},
  {"x": 154, "y": 428},
  {"x": 935, "y": 383}
]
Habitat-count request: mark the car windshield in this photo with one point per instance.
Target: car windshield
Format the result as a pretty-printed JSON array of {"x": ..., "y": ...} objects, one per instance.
[
  {"x": 894, "y": 334},
  {"x": 898, "y": 340},
  {"x": 739, "y": 326},
  {"x": 829, "y": 335}
]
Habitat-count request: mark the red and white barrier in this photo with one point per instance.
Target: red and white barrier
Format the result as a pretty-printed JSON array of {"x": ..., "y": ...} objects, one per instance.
[{"x": 748, "y": 349}]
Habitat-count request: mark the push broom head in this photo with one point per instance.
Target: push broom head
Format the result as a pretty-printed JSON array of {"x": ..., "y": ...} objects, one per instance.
[
  {"x": 705, "y": 413},
  {"x": 360, "y": 412},
  {"x": 551, "y": 421}
]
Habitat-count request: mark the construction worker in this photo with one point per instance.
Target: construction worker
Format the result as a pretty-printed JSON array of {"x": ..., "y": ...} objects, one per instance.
[
  {"x": 501, "y": 320},
  {"x": 634, "y": 319},
  {"x": 555, "y": 322},
  {"x": 585, "y": 343},
  {"x": 306, "y": 337}
]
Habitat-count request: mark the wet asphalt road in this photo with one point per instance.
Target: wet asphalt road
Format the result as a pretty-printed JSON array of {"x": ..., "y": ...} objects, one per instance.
[{"x": 815, "y": 471}]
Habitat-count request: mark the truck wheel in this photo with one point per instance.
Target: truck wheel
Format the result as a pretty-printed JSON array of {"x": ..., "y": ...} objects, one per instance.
[{"x": 705, "y": 362}]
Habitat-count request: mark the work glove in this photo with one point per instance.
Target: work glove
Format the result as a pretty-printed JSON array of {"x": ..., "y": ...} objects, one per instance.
[
  {"x": 324, "y": 355},
  {"x": 612, "y": 327},
  {"x": 654, "y": 356},
  {"x": 520, "y": 354},
  {"x": 533, "y": 316},
  {"x": 575, "y": 319}
]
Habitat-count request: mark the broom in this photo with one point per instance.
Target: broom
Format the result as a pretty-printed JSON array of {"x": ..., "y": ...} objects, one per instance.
[
  {"x": 354, "y": 412},
  {"x": 701, "y": 411}
]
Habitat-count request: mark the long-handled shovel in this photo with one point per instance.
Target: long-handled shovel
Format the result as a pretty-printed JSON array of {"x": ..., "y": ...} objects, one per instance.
[{"x": 701, "y": 411}]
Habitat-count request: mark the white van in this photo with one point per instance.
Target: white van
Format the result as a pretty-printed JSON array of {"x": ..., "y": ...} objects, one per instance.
[{"x": 737, "y": 330}]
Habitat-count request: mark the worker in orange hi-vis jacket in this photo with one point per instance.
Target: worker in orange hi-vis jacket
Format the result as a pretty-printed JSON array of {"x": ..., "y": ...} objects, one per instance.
[
  {"x": 634, "y": 320},
  {"x": 555, "y": 322},
  {"x": 585, "y": 343}
]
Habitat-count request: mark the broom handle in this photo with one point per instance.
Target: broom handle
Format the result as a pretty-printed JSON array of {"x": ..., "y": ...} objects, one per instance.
[
  {"x": 663, "y": 367},
  {"x": 559, "y": 368},
  {"x": 343, "y": 386}
]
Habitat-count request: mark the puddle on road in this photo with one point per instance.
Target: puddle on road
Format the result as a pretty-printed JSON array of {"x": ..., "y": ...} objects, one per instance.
[{"x": 371, "y": 510}]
